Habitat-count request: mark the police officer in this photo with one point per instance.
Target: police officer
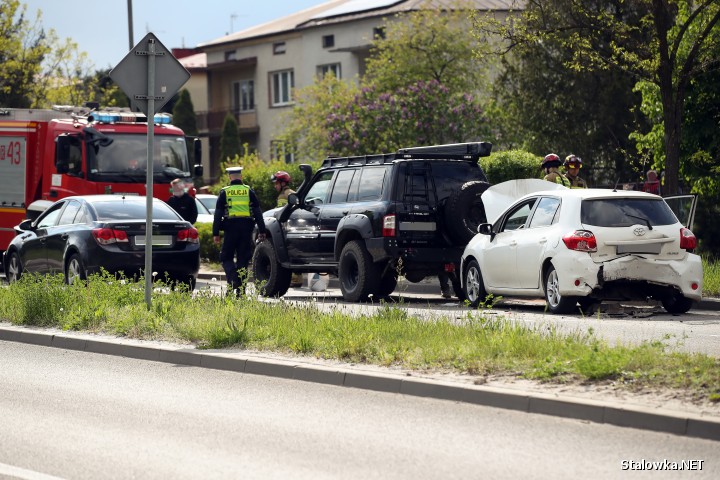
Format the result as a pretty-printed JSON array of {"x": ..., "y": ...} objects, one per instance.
[
  {"x": 236, "y": 212},
  {"x": 551, "y": 164},
  {"x": 281, "y": 182},
  {"x": 573, "y": 164}
]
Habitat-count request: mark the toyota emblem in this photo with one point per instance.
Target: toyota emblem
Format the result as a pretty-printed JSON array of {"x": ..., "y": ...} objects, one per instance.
[{"x": 639, "y": 231}]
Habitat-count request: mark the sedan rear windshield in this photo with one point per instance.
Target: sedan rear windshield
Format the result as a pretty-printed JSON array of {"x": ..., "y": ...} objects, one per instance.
[
  {"x": 107, "y": 211},
  {"x": 624, "y": 212}
]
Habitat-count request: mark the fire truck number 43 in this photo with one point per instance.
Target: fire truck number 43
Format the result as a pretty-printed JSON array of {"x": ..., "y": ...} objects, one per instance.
[{"x": 10, "y": 151}]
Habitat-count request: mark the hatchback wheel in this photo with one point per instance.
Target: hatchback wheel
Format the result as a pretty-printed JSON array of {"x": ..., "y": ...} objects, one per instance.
[
  {"x": 677, "y": 304},
  {"x": 473, "y": 287},
  {"x": 14, "y": 268},
  {"x": 75, "y": 270},
  {"x": 556, "y": 303}
]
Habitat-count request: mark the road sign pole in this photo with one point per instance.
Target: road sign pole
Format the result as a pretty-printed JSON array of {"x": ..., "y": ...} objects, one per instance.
[{"x": 150, "y": 174}]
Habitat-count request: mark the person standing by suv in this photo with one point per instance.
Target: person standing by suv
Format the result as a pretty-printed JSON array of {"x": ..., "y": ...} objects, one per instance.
[
  {"x": 236, "y": 212},
  {"x": 281, "y": 181},
  {"x": 181, "y": 202}
]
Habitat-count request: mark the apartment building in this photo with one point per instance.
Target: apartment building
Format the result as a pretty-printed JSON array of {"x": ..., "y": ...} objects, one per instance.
[{"x": 252, "y": 73}]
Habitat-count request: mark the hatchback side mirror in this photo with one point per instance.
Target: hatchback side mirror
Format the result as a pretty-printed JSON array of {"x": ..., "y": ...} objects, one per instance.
[
  {"x": 485, "y": 229},
  {"x": 26, "y": 225}
]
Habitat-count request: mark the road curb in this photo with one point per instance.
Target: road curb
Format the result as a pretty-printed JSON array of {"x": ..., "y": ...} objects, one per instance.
[{"x": 612, "y": 413}]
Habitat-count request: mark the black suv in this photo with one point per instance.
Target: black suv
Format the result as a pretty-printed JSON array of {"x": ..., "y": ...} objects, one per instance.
[{"x": 371, "y": 218}]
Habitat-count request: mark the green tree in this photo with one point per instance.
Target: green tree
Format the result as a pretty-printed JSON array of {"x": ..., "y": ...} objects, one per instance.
[
  {"x": 392, "y": 107},
  {"x": 230, "y": 139},
  {"x": 424, "y": 113},
  {"x": 667, "y": 43},
  {"x": 184, "y": 114},
  {"x": 541, "y": 105},
  {"x": 306, "y": 131},
  {"x": 428, "y": 45},
  {"x": 23, "y": 48}
]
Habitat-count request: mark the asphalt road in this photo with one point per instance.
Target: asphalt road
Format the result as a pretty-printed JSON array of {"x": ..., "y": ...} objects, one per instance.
[{"x": 70, "y": 414}]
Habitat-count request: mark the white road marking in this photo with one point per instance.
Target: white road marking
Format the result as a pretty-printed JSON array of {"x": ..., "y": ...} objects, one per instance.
[{"x": 17, "y": 472}]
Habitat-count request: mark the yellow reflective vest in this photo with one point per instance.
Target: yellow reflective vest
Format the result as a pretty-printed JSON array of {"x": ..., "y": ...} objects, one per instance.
[{"x": 237, "y": 198}]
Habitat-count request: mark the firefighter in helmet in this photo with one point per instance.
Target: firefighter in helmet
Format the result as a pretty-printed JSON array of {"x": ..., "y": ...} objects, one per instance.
[
  {"x": 572, "y": 165},
  {"x": 281, "y": 181},
  {"x": 551, "y": 164}
]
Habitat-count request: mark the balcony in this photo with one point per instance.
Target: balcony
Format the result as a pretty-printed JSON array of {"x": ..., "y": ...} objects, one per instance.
[{"x": 213, "y": 120}]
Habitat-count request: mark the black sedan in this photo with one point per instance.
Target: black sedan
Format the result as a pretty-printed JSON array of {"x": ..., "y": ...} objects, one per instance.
[{"x": 81, "y": 235}]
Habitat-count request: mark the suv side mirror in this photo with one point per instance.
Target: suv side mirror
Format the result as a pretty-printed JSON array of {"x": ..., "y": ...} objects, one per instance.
[{"x": 293, "y": 199}]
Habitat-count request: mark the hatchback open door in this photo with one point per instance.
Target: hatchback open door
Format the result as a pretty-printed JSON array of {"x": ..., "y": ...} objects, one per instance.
[{"x": 683, "y": 206}]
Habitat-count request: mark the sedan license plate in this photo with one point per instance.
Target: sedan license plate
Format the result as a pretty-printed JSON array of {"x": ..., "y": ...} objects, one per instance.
[{"x": 159, "y": 240}]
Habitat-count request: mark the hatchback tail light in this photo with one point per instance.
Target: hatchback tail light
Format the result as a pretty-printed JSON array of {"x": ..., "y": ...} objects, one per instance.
[
  {"x": 189, "y": 235},
  {"x": 581, "y": 241},
  {"x": 687, "y": 240},
  {"x": 107, "y": 236},
  {"x": 388, "y": 229}
]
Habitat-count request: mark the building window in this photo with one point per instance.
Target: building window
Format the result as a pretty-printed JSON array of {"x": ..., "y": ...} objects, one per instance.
[
  {"x": 279, "y": 48},
  {"x": 244, "y": 96},
  {"x": 282, "y": 85},
  {"x": 328, "y": 41},
  {"x": 279, "y": 151},
  {"x": 333, "y": 68},
  {"x": 379, "y": 32},
  {"x": 229, "y": 56}
]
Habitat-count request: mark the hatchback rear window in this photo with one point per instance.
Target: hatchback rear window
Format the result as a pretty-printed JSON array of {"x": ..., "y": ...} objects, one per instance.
[
  {"x": 624, "y": 212},
  {"x": 133, "y": 211}
]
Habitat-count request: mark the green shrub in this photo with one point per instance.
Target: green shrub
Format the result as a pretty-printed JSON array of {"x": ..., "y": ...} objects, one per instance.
[
  {"x": 510, "y": 165},
  {"x": 256, "y": 173},
  {"x": 209, "y": 252}
]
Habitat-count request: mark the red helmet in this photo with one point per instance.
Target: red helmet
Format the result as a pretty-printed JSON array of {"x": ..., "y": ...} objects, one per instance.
[
  {"x": 573, "y": 161},
  {"x": 550, "y": 160},
  {"x": 280, "y": 176}
]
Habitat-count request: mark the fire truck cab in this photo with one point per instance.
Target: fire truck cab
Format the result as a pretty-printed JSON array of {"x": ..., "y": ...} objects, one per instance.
[{"x": 46, "y": 155}]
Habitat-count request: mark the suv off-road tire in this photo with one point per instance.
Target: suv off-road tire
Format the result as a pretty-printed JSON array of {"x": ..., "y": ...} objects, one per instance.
[
  {"x": 271, "y": 278},
  {"x": 388, "y": 283},
  {"x": 357, "y": 273},
  {"x": 464, "y": 211}
]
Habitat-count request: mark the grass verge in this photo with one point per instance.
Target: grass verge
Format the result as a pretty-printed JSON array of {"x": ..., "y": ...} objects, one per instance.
[{"x": 475, "y": 344}]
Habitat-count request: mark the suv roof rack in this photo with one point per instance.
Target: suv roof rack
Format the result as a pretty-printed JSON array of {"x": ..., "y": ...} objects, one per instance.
[{"x": 471, "y": 151}]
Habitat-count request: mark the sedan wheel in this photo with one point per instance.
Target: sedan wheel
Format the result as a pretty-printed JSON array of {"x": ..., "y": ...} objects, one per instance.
[
  {"x": 556, "y": 303},
  {"x": 473, "y": 285},
  {"x": 75, "y": 270},
  {"x": 14, "y": 268}
]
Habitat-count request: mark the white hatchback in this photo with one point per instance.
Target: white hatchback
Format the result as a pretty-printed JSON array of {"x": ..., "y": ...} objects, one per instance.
[{"x": 582, "y": 246}]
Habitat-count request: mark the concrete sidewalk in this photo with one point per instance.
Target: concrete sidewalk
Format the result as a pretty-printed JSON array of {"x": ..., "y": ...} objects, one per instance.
[{"x": 626, "y": 414}]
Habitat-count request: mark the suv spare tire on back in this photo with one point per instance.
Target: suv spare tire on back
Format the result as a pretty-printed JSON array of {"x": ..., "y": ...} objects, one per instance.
[{"x": 464, "y": 211}]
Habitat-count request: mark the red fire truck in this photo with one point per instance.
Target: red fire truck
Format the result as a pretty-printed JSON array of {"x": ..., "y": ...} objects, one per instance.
[{"x": 46, "y": 155}]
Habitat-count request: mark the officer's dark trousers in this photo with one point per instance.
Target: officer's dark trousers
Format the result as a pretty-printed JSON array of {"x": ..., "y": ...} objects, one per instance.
[{"x": 236, "y": 252}]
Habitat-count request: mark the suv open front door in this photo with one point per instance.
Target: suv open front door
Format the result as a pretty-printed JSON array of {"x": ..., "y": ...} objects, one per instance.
[{"x": 683, "y": 206}]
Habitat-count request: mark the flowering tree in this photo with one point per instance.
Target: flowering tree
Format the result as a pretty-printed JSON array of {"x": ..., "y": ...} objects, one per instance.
[{"x": 424, "y": 113}]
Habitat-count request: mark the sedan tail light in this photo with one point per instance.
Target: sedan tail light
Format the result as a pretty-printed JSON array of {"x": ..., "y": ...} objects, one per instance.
[
  {"x": 188, "y": 235},
  {"x": 687, "y": 240},
  {"x": 106, "y": 236},
  {"x": 388, "y": 228},
  {"x": 581, "y": 240}
]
